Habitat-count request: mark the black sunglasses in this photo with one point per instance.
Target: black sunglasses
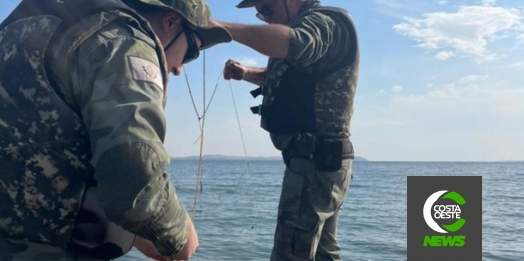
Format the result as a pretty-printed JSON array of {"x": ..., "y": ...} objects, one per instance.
[
  {"x": 192, "y": 48},
  {"x": 265, "y": 12}
]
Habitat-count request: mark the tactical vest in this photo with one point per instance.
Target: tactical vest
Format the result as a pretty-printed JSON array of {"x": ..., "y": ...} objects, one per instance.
[
  {"x": 314, "y": 102},
  {"x": 47, "y": 186}
]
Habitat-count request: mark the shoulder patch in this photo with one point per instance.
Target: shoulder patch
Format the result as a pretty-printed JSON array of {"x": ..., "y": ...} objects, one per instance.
[{"x": 144, "y": 70}]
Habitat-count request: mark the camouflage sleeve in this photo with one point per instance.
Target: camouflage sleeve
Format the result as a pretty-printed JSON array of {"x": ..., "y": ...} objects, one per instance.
[
  {"x": 310, "y": 39},
  {"x": 119, "y": 91}
]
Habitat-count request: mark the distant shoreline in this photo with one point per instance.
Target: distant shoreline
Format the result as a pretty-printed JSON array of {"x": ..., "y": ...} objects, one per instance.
[
  {"x": 360, "y": 159},
  {"x": 225, "y": 157}
]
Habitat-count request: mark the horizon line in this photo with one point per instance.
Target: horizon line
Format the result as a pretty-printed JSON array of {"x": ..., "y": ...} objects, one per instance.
[{"x": 359, "y": 157}]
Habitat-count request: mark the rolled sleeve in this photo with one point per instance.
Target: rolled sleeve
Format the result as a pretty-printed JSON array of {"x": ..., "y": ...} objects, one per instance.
[
  {"x": 119, "y": 85},
  {"x": 310, "y": 39}
]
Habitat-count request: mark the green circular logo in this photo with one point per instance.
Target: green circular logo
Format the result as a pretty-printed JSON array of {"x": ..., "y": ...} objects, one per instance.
[{"x": 441, "y": 212}]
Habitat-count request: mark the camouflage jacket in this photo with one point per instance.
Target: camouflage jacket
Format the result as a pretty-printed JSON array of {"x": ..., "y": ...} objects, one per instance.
[
  {"x": 323, "y": 53},
  {"x": 81, "y": 137}
]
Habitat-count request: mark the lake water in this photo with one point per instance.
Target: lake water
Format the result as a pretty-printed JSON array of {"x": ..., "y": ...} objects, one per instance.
[{"x": 236, "y": 211}]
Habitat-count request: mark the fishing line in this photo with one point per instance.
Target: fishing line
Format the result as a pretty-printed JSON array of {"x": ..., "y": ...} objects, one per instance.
[
  {"x": 208, "y": 104},
  {"x": 199, "y": 183},
  {"x": 246, "y": 166},
  {"x": 206, "y": 107},
  {"x": 201, "y": 119}
]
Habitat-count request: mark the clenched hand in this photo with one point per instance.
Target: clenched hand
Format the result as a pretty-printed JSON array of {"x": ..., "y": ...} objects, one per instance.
[{"x": 234, "y": 70}]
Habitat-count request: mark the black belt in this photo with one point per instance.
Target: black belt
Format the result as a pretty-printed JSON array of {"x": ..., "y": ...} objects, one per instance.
[{"x": 327, "y": 151}]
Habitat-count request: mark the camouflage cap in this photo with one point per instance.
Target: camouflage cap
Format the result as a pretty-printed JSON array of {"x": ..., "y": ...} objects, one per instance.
[
  {"x": 247, "y": 3},
  {"x": 197, "y": 14}
]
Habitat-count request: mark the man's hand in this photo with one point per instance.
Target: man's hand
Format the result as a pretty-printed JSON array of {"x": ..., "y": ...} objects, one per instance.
[
  {"x": 234, "y": 70},
  {"x": 147, "y": 248},
  {"x": 191, "y": 245}
]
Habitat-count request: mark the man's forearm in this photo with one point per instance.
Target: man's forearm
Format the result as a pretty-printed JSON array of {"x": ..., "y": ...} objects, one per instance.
[
  {"x": 271, "y": 40},
  {"x": 256, "y": 76},
  {"x": 147, "y": 205},
  {"x": 167, "y": 229}
]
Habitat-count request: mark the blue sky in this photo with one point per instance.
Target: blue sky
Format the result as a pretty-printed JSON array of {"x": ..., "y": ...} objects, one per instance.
[{"x": 439, "y": 81}]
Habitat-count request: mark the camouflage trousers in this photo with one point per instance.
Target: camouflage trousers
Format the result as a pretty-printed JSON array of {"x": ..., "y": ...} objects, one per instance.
[
  {"x": 12, "y": 250},
  {"x": 308, "y": 210}
]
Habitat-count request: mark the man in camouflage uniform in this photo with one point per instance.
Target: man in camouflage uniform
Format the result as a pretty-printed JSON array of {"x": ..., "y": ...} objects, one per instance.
[
  {"x": 83, "y": 85},
  {"x": 308, "y": 88}
]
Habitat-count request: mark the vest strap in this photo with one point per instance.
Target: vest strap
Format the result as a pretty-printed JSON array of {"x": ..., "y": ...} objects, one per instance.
[
  {"x": 256, "y": 109},
  {"x": 263, "y": 110},
  {"x": 256, "y": 92}
]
